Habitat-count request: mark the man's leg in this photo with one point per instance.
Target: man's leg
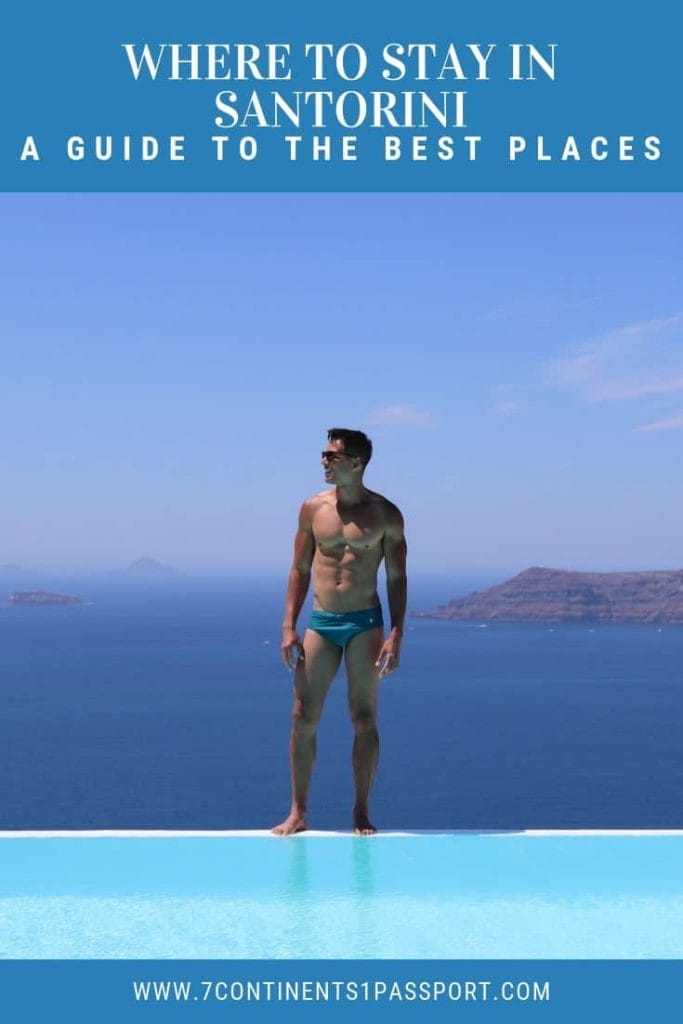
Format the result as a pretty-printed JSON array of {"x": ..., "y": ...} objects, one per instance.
[
  {"x": 361, "y": 654},
  {"x": 312, "y": 678}
]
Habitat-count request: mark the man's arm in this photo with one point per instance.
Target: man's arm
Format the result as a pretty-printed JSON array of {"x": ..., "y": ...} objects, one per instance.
[
  {"x": 297, "y": 586},
  {"x": 395, "y": 552}
]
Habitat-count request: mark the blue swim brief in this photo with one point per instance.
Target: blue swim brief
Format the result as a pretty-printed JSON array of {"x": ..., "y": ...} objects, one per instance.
[{"x": 341, "y": 627}]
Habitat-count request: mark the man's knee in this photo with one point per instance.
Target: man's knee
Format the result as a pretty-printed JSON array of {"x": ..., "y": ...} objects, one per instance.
[
  {"x": 363, "y": 718},
  {"x": 305, "y": 717}
]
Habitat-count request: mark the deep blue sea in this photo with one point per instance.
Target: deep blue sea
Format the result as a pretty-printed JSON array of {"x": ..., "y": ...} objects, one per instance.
[{"x": 164, "y": 705}]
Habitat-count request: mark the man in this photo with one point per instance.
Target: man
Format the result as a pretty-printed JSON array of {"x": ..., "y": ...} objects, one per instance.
[{"x": 343, "y": 535}]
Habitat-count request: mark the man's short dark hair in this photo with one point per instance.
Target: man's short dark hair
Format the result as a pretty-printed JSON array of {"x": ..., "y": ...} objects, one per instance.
[{"x": 356, "y": 443}]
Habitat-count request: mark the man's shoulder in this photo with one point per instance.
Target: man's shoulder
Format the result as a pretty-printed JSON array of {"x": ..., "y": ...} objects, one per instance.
[
  {"x": 316, "y": 501},
  {"x": 390, "y": 511}
]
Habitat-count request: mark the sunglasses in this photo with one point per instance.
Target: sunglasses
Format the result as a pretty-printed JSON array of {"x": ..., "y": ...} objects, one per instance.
[{"x": 334, "y": 456}]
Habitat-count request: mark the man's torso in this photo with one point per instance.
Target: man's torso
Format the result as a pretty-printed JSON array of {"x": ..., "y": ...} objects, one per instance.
[{"x": 348, "y": 551}]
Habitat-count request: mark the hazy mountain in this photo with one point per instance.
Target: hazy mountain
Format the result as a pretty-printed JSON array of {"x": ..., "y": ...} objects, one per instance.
[{"x": 149, "y": 568}]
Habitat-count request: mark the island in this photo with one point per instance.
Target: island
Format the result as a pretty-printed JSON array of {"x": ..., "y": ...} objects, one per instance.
[
  {"x": 558, "y": 595},
  {"x": 40, "y": 597}
]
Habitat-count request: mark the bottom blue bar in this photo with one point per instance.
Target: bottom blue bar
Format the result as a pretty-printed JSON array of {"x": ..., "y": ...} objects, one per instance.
[{"x": 358, "y": 991}]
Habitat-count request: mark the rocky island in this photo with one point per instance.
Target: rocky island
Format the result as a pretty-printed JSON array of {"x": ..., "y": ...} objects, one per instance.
[
  {"x": 558, "y": 595},
  {"x": 35, "y": 597}
]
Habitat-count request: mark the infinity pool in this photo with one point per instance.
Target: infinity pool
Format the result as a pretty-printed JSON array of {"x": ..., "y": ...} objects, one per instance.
[{"x": 319, "y": 896}]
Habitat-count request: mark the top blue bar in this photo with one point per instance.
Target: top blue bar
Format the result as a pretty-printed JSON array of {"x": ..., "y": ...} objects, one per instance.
[{"x": 439, "y": 97}]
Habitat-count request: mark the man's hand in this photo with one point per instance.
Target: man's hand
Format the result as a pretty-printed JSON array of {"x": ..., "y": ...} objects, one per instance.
[
  {"x": 292, "y": 649},
  {"x": 390, "y": 655}
]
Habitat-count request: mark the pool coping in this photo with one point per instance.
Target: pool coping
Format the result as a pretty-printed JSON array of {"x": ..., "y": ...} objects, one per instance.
[{"x": 317, "y": 834}]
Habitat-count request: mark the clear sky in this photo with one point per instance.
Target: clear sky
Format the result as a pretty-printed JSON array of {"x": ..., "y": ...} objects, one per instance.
[{"x": 170, "y": 365}]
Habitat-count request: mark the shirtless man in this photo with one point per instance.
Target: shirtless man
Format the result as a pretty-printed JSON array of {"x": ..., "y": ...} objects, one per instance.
[{"x": 343, "y": 535}]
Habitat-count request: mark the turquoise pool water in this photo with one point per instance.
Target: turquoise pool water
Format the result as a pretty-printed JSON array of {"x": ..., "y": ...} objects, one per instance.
[{"x": 456, "y": 895}]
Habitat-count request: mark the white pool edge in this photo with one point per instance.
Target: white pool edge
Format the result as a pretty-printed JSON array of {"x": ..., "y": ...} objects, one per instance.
[{"x": 312, "y": 833}]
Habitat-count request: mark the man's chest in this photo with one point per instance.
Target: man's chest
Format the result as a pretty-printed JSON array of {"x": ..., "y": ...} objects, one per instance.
[{"x": 360, "y": 529}]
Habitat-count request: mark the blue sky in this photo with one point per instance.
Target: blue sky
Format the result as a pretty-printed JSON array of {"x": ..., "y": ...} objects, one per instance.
[{"x": 170, "y": 365}]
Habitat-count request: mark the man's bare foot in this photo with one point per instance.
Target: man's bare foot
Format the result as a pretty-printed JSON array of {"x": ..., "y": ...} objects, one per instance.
[
  {"x": 362, "y": 826},
  {"x": 294, "y": 823}
]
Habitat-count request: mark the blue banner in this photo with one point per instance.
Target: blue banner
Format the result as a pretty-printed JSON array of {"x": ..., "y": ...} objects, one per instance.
[
  {"x": 553, "y": 992},
  {"x": 430, "y": 97}
]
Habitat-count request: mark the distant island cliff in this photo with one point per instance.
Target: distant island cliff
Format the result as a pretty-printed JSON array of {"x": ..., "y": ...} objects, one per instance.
[
  {"x": 558, "y": 595},
  {"x": 40, "y": 597}
]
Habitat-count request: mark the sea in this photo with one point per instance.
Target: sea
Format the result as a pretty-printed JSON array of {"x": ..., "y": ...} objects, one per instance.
[{"x": 164, "y": 705}]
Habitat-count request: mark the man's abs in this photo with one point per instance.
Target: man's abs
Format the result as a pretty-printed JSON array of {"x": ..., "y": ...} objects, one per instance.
[{"x": 345, "y": 584}]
